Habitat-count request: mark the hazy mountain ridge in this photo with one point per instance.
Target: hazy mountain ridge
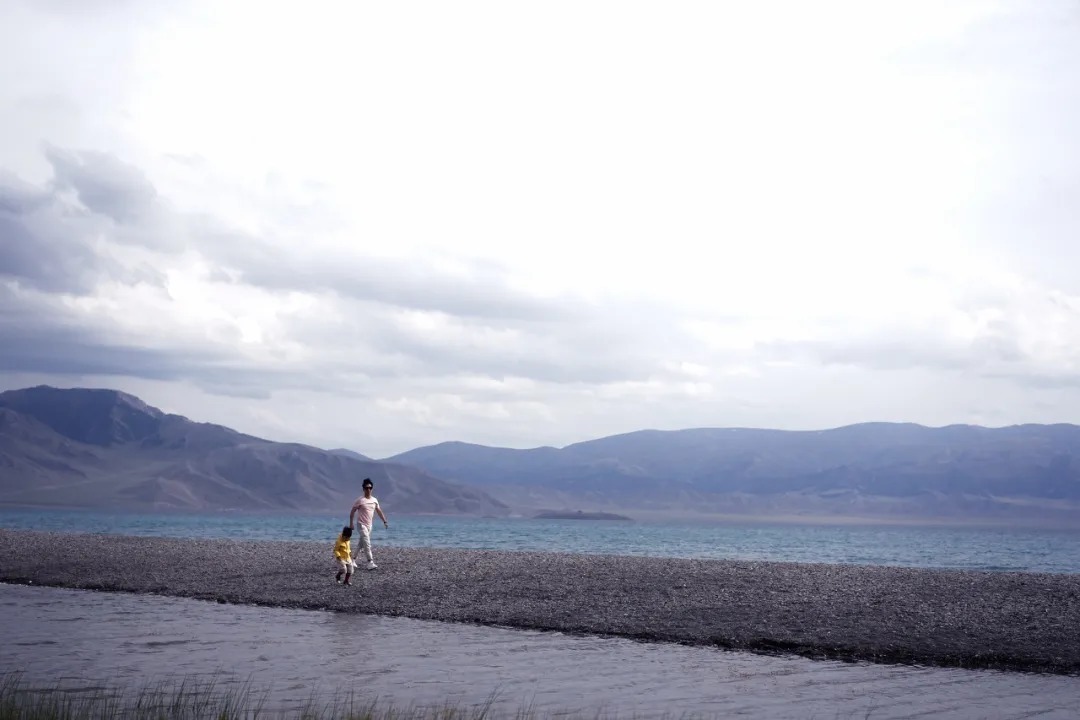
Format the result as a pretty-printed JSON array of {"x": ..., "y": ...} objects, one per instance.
[
  {"x": 350, "y": 453},
  {"x": 103, "y": 448},
  {"x": 871, "y": 468}
]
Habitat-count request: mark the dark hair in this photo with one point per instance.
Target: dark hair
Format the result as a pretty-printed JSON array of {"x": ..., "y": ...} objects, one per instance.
[
  {"x": 367, "y": 483},
  {"x": 346, "y": 532}
]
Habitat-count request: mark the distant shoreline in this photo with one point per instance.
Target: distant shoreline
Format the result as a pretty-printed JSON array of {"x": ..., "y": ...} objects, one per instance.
[
  {"x": 579, "y": 515},
  {"x": 973, "y": 522},
  {"x": 1003, "y": 620}
]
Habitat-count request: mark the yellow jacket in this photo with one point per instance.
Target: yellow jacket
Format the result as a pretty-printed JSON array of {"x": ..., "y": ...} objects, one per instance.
[{"x": 342, "y": 549}]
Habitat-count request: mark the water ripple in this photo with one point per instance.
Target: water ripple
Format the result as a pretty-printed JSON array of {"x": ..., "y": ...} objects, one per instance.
[{"x": 290, "y": 654}]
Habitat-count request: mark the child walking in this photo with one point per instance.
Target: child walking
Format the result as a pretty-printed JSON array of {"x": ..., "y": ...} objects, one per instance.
[{"x": 343, "y": 555}]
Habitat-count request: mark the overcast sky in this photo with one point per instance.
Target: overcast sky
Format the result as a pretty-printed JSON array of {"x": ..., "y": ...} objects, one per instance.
[{"x": 386, "y": 225}]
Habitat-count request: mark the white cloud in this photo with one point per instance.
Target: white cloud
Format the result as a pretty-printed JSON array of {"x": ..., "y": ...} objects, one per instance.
[{"x": 383, "y": 226}]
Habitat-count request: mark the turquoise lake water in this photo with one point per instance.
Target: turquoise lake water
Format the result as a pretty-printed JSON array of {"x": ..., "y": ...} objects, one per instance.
[
  {"x": 928, "y": 547},
  {"x": 83, "y": 641}
]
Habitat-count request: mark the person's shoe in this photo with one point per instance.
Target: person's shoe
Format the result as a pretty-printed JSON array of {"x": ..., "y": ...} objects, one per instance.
[
  {"x": 338, "y": 578},
  {"x": 371, "y": 565},
  {"x": 347, "y": 583}
]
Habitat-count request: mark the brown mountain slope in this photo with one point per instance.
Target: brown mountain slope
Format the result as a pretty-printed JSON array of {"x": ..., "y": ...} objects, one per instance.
[{"x": 102, "y": 448}]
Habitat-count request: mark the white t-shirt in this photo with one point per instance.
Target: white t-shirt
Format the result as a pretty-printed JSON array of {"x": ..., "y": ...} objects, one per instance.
[{"x": 365, "y": 510}]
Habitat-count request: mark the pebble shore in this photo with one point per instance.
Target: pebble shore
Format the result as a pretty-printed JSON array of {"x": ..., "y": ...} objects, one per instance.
[{"x": 1000, "y": 620}]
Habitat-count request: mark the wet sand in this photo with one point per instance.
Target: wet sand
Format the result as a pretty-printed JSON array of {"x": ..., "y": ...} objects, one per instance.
[{"x": 1012, "y": 621}]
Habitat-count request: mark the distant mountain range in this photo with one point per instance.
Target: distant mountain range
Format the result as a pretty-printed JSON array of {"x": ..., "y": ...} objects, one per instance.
[
  {"x": 1027, "y": 472},
  {"x": 106, "y": 449}
]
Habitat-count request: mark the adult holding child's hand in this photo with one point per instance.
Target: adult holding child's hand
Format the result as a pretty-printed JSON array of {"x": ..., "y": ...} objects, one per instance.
[{"x": 363, "y": 510}]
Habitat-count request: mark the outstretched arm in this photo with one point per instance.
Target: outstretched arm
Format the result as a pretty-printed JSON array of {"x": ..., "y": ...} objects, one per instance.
[
  {"x": 378, "y": 509},
  {"x": 352, "y": 515}
]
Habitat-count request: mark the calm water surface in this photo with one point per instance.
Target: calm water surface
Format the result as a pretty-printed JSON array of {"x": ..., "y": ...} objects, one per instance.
[
  {"x": 82, "y": 639},
  {"x": 937, "y": 547},
  {"x": 87, "y": 639}
]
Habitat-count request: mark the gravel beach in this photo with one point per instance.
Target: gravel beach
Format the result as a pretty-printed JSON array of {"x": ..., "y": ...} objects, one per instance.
[{"x": 1011, "y": 621}]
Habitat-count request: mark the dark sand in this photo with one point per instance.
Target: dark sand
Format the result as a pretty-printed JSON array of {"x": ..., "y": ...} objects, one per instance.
[{"x": 1014, "y": 621}]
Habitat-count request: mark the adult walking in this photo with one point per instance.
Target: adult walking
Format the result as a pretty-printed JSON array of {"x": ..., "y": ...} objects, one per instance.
[{"x": 364, "y": 510}]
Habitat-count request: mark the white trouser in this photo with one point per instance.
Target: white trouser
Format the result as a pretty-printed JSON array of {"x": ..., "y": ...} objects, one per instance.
[{"x": 364, "y": 542}]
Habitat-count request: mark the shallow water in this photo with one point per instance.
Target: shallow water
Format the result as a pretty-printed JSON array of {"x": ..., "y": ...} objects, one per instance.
[
  {"x": 86, "y": 639},
  {"x": 969, "y": 548}
]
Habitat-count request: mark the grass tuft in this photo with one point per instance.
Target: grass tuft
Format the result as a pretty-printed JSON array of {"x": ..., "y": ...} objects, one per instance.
[{"x": 194, "y": 699}]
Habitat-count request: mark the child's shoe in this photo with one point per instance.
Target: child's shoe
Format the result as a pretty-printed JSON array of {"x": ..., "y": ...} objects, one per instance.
[
  {"x": 347, "y": 583},
  {"x": 338, "y": 577}
]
